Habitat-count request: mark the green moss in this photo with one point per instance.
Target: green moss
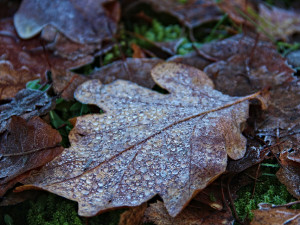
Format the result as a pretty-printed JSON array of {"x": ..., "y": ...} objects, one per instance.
[
  {"x": 268, "y": 190},
  {"x": 52, "y": 210}
]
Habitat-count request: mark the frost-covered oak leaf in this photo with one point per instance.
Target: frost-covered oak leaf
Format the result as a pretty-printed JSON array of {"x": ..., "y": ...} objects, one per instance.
[{"x": 147, "y": 143}]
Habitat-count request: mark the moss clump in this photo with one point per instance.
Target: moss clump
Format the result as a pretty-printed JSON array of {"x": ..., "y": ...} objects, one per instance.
[
  {"x": 268, "y": 190},
  {"x": 52, "y": 210}
]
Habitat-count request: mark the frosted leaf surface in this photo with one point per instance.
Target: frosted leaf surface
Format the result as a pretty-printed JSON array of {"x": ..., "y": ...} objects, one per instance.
[{"x": 147, "y": 143}]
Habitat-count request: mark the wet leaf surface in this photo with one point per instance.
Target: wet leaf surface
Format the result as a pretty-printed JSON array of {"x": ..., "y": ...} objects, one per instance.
[
  {"x": 81, "y": 22},
  {"x": 136, "y": 70},
  {"x": 26, "y": 104},
  {"x": 191, "y": 14},
  {"x": 273, "y": 216},
  {"x": 147, "y": 143},
  {"x": 199, "y": 215},
  {"x": 25, "y": 146}
]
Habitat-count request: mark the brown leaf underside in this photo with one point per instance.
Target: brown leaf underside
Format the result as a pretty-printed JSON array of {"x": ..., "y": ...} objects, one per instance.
[{"x": 147, "y": 143}]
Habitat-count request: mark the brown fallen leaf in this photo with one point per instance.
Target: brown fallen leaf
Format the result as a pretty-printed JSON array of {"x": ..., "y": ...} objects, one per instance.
[
  {"x": 237, "y": 9},
  {"x": 25, "y": 146},
  {"x": 147, "y": 143},
  {"x": 289, "y": 172},
  {"x": 240, "y": 65},
  {"x": 13, "y": 80},
  {"x": 136, "y": 70},
  {"x": 192, "y": 59},
  {"x": 133, "y": 216},
  {"x": 26, "y": 104},
  {"x": 65, "y": 83},
  {"x": 14, "y": 198},
  {"x": 289, "y": 175},
  {"x": 137, "y": 51},
  {"x": 27, "y": 56},
  {"x": 281, "y": 128},
  {"x": 248, "y": 68},
  {"x": 192, "y": 13},
  {"x": 200, "y": 215},
  {"x": 278, "y": 23},
  {"x": 270, "y": 21},
  {"x": 266, "y": 215},
  {"x": 81, "y": 22}
]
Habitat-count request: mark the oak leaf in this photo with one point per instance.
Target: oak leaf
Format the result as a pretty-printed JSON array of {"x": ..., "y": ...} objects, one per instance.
[
  {"x": 25, "y": 146},
  {"x": 81, "y": 22},
  {"x": 147, "y": 143},
  {"x": 25, "y": 60},
  {"x": 242, "y": 64}
]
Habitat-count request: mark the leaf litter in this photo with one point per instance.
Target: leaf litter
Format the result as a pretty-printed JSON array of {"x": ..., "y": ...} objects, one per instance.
[
  {"x": 25, "y": 145},
  {"x": 277, "y": 128},
  {"x": 26, "y": 104},
  {"x": 147, "y": 143},
  {"x": 191, "y": 14}
]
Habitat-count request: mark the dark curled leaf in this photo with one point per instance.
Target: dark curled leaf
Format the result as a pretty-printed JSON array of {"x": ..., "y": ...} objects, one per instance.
[{"x": 26, "y": 104}]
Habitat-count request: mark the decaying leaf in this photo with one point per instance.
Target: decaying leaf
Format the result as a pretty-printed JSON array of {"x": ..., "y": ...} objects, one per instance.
[
  {"x": 278, "y": 23},
  {"x": 65, "y": 82},
  {"x": 266, "y": 215},
  {"x": 147, "y": 143},
  {"x": 81, "y": 22},
  {"x": 237, "y": 9},
  {"x": 192, "y": 13},
  {"x": 25, "y": 146},
  {"x": 134, "y": 69},
  {"x": 26, "y": 104},
  {"x": 133, "y": 216},
  {"x": 240, "y": 65},
  {"x": 250, "y": 65},
  {"x": 270, "y": 21},
  {"x": 13, "y": 80},
  {"x": 27, "y": 55},
  {"x": 289, "y": 173},
  {"x": 199, "y": 215},
  {"x": 192, "y": 59},
  {"x": 282, "y": 127}
]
